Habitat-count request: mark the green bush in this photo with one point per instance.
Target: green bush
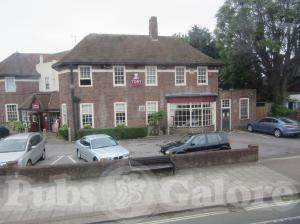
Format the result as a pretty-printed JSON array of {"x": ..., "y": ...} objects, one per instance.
[
  {"x": 63, "y": 132},
  {"x": 117, "y": 133},
  {"x": 17, "y": 126},
  {"x": 87, "y": 126}
]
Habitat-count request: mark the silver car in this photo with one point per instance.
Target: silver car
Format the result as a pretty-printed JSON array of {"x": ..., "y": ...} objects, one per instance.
[
  {"x": 99, "y": 147},
  {"x": 24, "y": 149}
]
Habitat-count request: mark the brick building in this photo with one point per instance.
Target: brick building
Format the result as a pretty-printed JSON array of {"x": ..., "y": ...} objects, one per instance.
[{"x": 107, "y": 80}]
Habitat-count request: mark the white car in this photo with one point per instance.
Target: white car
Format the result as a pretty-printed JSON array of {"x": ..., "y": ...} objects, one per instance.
[
  {"x": 99, "y": 147},
  {"x": 24, "y": 149}
]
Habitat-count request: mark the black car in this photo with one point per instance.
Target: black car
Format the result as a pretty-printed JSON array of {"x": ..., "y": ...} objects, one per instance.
[
  {"x": 197, "y": 142},
  {"x": 4, "y": 132}
]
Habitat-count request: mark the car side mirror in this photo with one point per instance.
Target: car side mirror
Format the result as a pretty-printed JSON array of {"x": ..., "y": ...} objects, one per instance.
[{"x": 193, "y": 143}]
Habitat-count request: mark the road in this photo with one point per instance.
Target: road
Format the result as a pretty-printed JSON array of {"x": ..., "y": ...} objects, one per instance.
[
  {"x": 61, "y": 152},
  {"x": 262, "y": 213}
]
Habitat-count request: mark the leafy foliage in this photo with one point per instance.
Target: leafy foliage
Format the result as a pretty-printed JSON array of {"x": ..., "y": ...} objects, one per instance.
[
  {"x": 16, "y": 126},
  {"x": 63, "y": 132}
]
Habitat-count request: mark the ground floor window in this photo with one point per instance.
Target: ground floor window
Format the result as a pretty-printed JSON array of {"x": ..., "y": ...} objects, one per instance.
[
  {"x": 26, "y": 116},
  {"x": 244, "y": 108},
  {"x": 151, "y": 107},
  {"x": 120, "y": 113},
  {"x": 192, "y": 114},
  {"x": 87, "y": 114},
  {"x": 64, "y": 115},
  {"x": 11, "y": 112}
]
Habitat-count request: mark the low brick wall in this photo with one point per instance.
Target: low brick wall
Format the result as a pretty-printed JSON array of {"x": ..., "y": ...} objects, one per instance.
[
  {"x": 204, "y": 159},
  {"x": 117, "y": 167}
]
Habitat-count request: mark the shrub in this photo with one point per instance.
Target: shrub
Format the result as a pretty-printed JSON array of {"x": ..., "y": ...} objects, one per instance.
[
  {"x": 87, "y": 126},
  {"x": 117, "y": 133},
  {"x": 16, "y": 126},
  {"x": 63, "y": 132}
]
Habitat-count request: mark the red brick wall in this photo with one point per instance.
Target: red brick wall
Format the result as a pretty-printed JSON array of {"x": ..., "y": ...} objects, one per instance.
[
  {"x": 24, "y": 89},
  {"x": 103, "y": 94}
]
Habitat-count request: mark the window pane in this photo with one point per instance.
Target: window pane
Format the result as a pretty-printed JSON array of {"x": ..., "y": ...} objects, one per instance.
[
  {"x": 180, "y": 76},
  {"x": 10, "y": 84},
  {"x": 85, "y": 75},
  {"x": 119, "y": 75},
  {"x": 87, "y": 114},
  {"x": 244, "y": 104},
  {"x": 202, "y": 75},
  {"x": 151, "y": 75},
  {"x": 120, "y": 113},
  {"x": 11, "y": 112}
]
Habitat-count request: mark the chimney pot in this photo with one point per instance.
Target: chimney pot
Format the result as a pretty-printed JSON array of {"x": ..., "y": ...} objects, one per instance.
[{"x": 153, "y": 30}]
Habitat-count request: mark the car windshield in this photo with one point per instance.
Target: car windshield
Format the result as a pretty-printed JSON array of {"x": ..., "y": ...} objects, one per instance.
[
  {"x": 12, "y": 145},
  {"x": 103, "y": 142},
  {"x": 184, "y": 139}
]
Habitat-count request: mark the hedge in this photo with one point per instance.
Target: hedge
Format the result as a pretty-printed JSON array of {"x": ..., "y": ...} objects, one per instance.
[
  {"x": 63, "y": 132},
  {"x": 117, "y": 133}
]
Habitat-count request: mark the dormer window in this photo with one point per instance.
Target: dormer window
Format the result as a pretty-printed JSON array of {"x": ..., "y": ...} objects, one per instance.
[
  {"x": 10, "y": 84},
  {"x": 85, "y": 76}
]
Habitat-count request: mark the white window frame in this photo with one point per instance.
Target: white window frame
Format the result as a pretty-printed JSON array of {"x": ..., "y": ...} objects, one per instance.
[
  {"x": 17, "y": 109},
  {"x": 206, "y": 76},
  {"x": 184, "y": 70},
  {"x": 91, "y": 76},
  {"x": 248, "y": 105},
  {"x": 6, "y": 85},
  {"x": 64, "y": 113},
  {"x": 114, "y": 74},
  {"x": 81, "y": 121},
  {"x": 147, "y": 111},
  {"x": 126, "y": 119},
  {"x": 146, "y": 76}
]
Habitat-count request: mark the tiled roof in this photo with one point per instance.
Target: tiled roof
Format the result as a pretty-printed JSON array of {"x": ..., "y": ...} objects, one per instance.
[
  {"x": 47, "y": 101},
  {"x": 134, "y": 49}
]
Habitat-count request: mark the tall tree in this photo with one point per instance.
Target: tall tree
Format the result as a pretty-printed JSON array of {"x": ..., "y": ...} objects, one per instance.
[
  {"x": 202, "y": 39},
  {"x": 263, "y": 37}
]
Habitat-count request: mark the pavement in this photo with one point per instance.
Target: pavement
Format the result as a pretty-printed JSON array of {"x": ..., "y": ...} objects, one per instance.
[
  {"x": 147, "y": 196},
  {"x": 62, "y": 152}
]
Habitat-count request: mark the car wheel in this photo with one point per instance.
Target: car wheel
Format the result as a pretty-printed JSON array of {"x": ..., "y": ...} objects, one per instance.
[
  {"x": 250, "y": 128},
  {"x": 44, "y": 155},
  {"x": 277, "y": 133},
  {"x": 29, "y": 163},
  {"x": 78, "y": 154}
]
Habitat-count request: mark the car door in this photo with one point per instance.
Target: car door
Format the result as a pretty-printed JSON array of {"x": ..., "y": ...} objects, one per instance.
[
  {"x": 198, "y": 143},
  {"x": 261, "y": 125},
  {"x": 33, "y": 149},
  {"x": 270, "y": 125},
  {"x": 85, "y": 148},
  {"x": 213, "y": 141}
]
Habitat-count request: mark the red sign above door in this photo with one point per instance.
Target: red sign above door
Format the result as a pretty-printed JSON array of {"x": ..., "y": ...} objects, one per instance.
[{"x": 35, "y": 105}]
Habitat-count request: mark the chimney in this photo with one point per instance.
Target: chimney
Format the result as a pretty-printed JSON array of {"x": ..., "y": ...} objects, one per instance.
[{"x": 153, "y": 32}]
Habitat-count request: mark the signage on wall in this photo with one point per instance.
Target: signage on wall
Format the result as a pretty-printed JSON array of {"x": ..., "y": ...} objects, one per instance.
[{"x": 136, "y": 81}]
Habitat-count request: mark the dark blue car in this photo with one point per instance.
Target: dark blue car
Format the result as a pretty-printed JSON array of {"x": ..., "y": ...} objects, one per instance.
[{"x": 278, "y": 126}]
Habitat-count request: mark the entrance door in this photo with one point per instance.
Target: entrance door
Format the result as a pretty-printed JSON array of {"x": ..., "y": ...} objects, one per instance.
[{"x": 225, "y": 119}]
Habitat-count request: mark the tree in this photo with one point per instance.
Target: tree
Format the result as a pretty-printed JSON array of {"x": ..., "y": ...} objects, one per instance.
[
  {"x": 202, "y": 39},
  {"x": 263, "y": 37}
]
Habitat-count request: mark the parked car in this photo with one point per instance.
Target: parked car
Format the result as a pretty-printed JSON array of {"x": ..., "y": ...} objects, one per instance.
[
  {"x": 24, "y": 149},
  {"x": 278, "y": 126},
  {"x": 99, "y": 147},
  {"x": 4, "y": 132},
  {"x": 197, "y": 142}
]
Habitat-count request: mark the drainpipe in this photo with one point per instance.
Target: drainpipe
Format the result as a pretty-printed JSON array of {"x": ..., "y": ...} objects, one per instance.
[{"x": 74, "y": 104}]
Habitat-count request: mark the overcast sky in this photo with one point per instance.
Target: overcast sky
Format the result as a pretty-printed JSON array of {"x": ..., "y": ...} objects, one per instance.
[{"x": 48, "y": 26}]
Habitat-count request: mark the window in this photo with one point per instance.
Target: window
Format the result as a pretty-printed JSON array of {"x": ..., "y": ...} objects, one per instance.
[
  {"x": 85, "y": 76},
  {"x": 202, "y": 76},
  {"x": 26, "y": 116},
  {"x": 87, "y": 114},
  {"x": 120, "y": 111},
  {"x": 10, "y": 84},
  {"x": 11, "y": 112},
  {"x": 192, "y": 114},
  {"x": 244, "y": 108},
  {"x": 199, "y": 140},
  {"x": 180, "y": 78},
  {"x": 213, "y": 139},
  {"x": 64, "y": 115},
  {"x": 151, "y": 107},
  {"x": 47, "y": 83},
  {"x": 119, "y": 76},
  {"x": 151, "y": 76},
  {"x": 225, "y": 103}
]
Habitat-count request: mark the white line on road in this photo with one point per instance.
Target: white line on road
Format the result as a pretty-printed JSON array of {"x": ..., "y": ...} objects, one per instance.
[
  {"x": 277, "y": 220},
  {"x": 274, "y": 204},
  {"x": 185, "y": 217},
  {"x": 59, "y": 158},
  {"x": 281, "y": 158},
  {"x": 74, "y": 161}
]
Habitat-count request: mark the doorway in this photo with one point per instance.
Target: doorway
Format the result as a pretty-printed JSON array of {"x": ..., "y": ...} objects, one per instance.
[{"x": 226, "y": 115}]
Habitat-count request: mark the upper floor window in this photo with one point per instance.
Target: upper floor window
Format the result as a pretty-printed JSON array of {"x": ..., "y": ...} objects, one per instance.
[
  {"x": 244, "y": 108},
  {"x": 180, "y": 78},
  {"x": 47, "y": 83},
  {"x": 151, "y": 76},
  {"x": 11, "y": 112},
  {"x": 87, "y": 114},
  {"x": 10, "y": 84},
  {"x": 202, "y": 76},
  {"x": 119, "y": 76},
  {"x": 120, "y": 113},
  {"x": 151, "y": 107},
  {"x": 85, "y": 76}
]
